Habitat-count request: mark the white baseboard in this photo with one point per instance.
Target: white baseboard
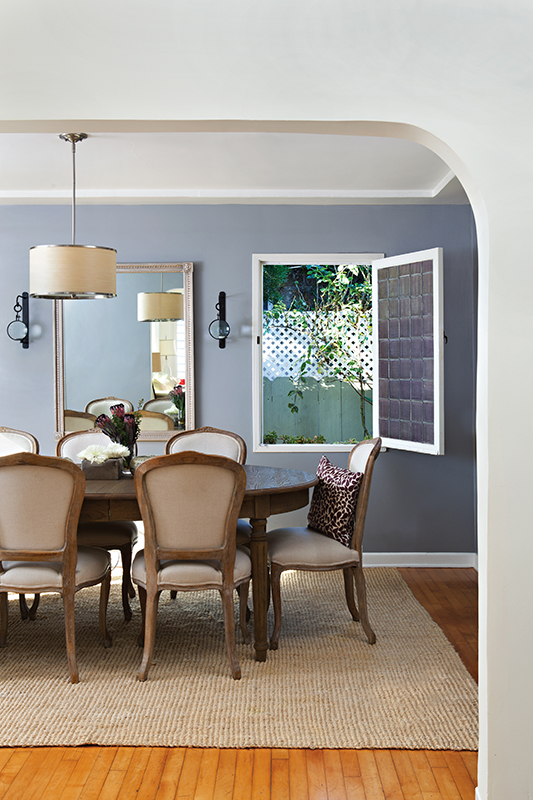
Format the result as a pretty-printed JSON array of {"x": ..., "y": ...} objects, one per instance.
[
  {"x": 477, "y": 794},
  {"x": 420, "y": 560}
]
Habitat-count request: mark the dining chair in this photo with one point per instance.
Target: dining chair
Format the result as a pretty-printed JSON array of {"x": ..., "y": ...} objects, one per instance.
[
  {"x": 219, "y": 443},
  {"x": 189, "y": 505},
  {"x": 333, "y": 538},
  {"x": 14, "y": 441},
  {"x": 111, "y": 535},
  {"x": 102, "y": 405},
  {"x": 155, "y": 421},
  {"x": 78, "y": 420},
  {"x": 41, "y": 499}
]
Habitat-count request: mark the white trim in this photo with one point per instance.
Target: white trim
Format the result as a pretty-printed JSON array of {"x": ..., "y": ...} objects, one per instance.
[
  {"x": 477, "y": 794},
  {"x": 258, "y": 262},
  {"x": 420, "y": 560}
]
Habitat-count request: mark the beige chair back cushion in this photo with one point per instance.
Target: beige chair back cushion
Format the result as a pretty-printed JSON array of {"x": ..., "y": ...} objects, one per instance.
[
  {"x": 190, "y": 504},
  {"x": 15, "y": 442},
  {"x": 159, "y": 405},
  {"x": 215, "y": 444},
  {"x": 78, "y": 421},
  {"x": 103, "y": 405},
  {"x": 70, "y": 446},
  {"x": 155, "y": 421},
  {"x": 360, "y": 455},
  {"x": 34, "y": 503}
]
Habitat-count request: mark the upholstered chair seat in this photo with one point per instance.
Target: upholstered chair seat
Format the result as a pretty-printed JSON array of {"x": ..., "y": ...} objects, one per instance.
[
  {"x": 308, "y": 549},
  {"x": 47, "y": 576},
  {"x": 193, "y": 574}
]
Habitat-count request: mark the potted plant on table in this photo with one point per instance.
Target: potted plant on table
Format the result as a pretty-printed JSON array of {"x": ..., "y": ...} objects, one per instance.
[{"x": 121, "y": 428}]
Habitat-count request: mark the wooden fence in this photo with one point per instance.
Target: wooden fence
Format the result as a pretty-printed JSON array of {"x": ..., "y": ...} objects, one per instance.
[{"x": 328, "y": 409}]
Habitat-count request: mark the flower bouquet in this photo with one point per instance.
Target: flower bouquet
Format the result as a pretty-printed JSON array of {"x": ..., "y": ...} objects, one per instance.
[
  {"x": 121, "y": 428},
  {"x": 177, "y": 395},
  {"x": 103, "y": 463}
]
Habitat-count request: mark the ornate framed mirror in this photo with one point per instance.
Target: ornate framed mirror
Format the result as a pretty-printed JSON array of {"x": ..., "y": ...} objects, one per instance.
[{"x": 103, "y": 349}]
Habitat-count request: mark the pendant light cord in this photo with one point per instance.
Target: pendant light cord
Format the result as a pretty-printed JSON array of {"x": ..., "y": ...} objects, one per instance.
[{"x": 73, "y": 191}]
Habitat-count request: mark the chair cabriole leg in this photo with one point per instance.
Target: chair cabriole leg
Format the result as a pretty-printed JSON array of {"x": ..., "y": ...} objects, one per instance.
[
  {"x": 243, "y": 590},
  {"x": 361, "y": 602},
  {"x": 3, "y": 618},
  {"x": 142, "y": 601},
  {"x": 348, "y": 588},
  {"x": 104, "y": 597},
  {"x": 127, "y": 586},
  {"x": 275, "y": 575},
  {"x": 68, "y": 605},
  {"x": 226, "y": 594},
  {"x": 152, "y": 599}
]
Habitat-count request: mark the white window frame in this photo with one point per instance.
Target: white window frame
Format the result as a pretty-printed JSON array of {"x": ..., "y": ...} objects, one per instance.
[{"x": 291, "y": 259}]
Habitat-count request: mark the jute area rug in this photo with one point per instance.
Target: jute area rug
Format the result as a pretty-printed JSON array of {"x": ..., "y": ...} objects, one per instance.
[{"x": 324, "y": 688}]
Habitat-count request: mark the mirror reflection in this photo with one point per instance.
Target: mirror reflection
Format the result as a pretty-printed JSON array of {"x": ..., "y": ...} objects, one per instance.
[{"x": 130, "y": 349}]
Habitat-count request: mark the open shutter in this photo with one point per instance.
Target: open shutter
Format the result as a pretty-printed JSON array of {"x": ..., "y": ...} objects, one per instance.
[{"x": 408, "y": 351}]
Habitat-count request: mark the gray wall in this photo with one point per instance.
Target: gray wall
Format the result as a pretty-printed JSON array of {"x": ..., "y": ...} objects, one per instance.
[{"x": 420, "y": 503}]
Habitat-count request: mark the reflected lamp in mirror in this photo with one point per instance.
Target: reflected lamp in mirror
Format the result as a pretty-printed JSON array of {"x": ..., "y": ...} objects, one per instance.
[
  {"x": 19, "y": 328},
  {"x": 219, "y": 328},
  {"x": 159, "y": 306},
  {"x": 73, "y": 271}
]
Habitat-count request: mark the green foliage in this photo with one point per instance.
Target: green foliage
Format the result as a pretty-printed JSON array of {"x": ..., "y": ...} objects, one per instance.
[
  {"x": 328, "y": 303},
  {"x": 273, "y": 438}
]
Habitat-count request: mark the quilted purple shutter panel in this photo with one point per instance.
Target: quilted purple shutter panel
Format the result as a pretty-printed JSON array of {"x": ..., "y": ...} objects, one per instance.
[{"x": 408, "y": 351}]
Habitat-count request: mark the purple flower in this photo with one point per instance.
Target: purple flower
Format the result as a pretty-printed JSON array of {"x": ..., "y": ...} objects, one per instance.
[{"x": 117, "y": 410}]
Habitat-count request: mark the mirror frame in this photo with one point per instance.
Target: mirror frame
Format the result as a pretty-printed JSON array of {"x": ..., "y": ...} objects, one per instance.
[{"x": 185, "y": 267}]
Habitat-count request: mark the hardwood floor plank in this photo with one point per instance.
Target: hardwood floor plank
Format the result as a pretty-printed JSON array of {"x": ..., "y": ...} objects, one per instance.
[
  {"x": 316, "y": 775},
  {"x": 243, "y": 775},
  {"x": 350, "y": 764},
  {"x": 14, "y": 764},
  {"x": 460, "y": 775},
  {"x": 446, "y": 784},
  {"x": 205, "y": 786},
  {"x": 262, "y": 774},
  {"x": 298, "y": 775},
  {"x": 117, "y": 773},
  {"x": 388, "y": 775},
  {"x": 370, "y": 775},
  {"x": 135, "y": 773},
  {"x": 334, "y": 776},
  {"x": 152, "y": 774},
  {"x": 98, "y": 774},
  {"x": 424, "y": 773},
  {"x": 354, "y": 788},
  {"x": 225, "y": 781},
  {"x": 406, "y": 775},
  {"x": 168, "y": 785},
  {"x": 189, "y": 773},
  {"x": 78, "y": 778},
  {"x": 279, "y": 782},
  {"x": 470, "y": 760},
  {"x": 280, "y": 753},
  {"x": 26, "y": 773}
]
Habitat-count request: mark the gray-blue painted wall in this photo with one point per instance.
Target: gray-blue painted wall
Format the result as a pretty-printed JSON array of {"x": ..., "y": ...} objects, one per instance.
[{"x": 419, "y": 503}]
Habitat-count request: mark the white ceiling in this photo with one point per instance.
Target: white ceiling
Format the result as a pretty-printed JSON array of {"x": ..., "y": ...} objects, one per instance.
[{"x": 225, "y": 167}]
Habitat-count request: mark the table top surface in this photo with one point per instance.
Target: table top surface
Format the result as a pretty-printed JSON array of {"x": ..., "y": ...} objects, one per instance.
[{"x": 259, "y": 480}]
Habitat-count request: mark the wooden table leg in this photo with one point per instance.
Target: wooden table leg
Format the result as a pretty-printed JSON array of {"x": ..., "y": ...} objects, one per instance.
[{"x": 258, "y": 549}]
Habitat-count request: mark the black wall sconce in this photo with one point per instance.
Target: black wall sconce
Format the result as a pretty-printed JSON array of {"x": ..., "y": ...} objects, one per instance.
[
  {"x": 219, "y": 328},
  {"x": 19, "y": 329}
]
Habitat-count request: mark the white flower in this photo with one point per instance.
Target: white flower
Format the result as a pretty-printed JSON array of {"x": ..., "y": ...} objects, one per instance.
[
  {"x": 95, "y": 453},
  {"x": 170, "y": 411},
  {"x": 115, "y": 450}
]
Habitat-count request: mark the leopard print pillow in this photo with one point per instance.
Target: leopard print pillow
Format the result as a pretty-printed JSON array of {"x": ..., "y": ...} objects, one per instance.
[{"x": 334, "y": 501}]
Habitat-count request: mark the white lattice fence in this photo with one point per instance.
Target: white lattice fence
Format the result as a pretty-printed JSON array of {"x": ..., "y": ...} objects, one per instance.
[{"x": 283, "y": 350}]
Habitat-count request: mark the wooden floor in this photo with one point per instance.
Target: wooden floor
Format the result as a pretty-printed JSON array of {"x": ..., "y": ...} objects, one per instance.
[{"x": 143, "y": 773}]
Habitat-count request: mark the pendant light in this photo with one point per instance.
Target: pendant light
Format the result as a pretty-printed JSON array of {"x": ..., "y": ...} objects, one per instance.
[
  {"x": 73, "y": 271},
  {"x": 160, "y": 306}
]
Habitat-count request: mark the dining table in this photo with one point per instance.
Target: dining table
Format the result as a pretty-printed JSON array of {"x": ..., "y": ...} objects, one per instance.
[{"x": 269, "y": 491}]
